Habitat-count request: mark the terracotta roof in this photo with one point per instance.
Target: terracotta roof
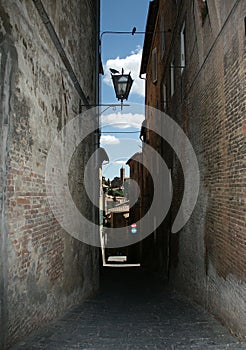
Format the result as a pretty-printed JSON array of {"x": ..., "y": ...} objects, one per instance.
[{"x": 135, "y": 158}]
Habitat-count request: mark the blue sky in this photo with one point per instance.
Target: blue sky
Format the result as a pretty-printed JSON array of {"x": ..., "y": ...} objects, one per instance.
[{"x": 122, "y": 51}]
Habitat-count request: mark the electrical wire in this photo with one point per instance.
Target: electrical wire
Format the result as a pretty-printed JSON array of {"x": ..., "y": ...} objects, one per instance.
[{"x": 120, "y": 132}]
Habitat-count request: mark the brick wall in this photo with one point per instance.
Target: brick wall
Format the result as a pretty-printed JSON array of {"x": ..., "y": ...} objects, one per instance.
[
  {"x": 207, "y": 257},
  {"x": 43, "y": 269},
  {"x": 211, "y": 255},
  {"x": 156, "y": 246}
]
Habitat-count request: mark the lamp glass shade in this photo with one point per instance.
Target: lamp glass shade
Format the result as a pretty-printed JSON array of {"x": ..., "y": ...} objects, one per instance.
[{"x": 122, "y": 85}]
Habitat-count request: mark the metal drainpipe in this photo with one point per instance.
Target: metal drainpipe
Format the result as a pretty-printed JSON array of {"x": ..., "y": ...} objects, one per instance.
[{"x": 56, "y": 41}]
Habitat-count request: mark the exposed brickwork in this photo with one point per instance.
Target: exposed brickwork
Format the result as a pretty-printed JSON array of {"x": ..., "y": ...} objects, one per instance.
[
  {"x": 207, "y": 257},
  {"x": 43, "y": 270}
]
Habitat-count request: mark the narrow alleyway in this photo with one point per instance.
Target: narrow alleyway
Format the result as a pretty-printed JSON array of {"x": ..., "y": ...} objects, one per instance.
[{"x": 133, "y": 311}]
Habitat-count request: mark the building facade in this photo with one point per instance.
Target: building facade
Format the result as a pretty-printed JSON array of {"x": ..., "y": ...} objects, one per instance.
[
  {"x": 49, "y": 70},
  {"x": 194, "y": 60}
]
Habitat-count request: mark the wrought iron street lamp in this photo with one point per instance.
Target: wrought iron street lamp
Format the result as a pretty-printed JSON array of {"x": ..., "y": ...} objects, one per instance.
[{"x": 122, "y": 85}]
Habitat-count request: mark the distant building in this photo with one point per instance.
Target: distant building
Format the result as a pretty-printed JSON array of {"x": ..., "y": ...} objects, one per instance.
[
  {"x": 135, "y": 192},
  {"x": 122, "y": 175},
  {"x": 116, "y": 182},
  {"x": 126, "y": 187},
  {"x": 136, "y": 174}
]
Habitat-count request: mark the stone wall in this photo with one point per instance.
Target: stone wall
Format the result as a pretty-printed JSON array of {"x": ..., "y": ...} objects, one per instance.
[{"x": 43, "y": 270}]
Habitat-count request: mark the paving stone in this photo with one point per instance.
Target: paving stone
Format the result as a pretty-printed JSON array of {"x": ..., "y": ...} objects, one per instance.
[{"x": 133, "y": 311}]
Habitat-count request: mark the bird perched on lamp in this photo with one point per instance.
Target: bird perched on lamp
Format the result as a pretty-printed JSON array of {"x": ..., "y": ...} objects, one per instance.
[{"x": 114, "y": 71}]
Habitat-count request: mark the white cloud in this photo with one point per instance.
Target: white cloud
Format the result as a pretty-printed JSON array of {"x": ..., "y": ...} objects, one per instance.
[
  {"x": 123, "y": 120},
  {"x": 120, "y": 162},
  {"x": 109, "y": 140},
  {"x": 131, "y": 64}
]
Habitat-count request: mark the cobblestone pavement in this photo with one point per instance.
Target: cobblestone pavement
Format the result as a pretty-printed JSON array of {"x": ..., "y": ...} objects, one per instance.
[{"x": 133, "y": 312}]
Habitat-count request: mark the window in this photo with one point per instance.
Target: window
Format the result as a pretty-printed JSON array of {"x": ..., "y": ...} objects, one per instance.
[
  {"x": 154, "y": 65},
  {"x": 172, "y": 77},
  {"x": 182, "y": 48},
  {"x": 164, "y": 95},
  {"x": 162, "y": 37}
]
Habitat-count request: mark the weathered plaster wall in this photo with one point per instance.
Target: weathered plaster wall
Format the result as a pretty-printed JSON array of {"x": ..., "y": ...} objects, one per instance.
[{"x": 43, "y": 269}]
